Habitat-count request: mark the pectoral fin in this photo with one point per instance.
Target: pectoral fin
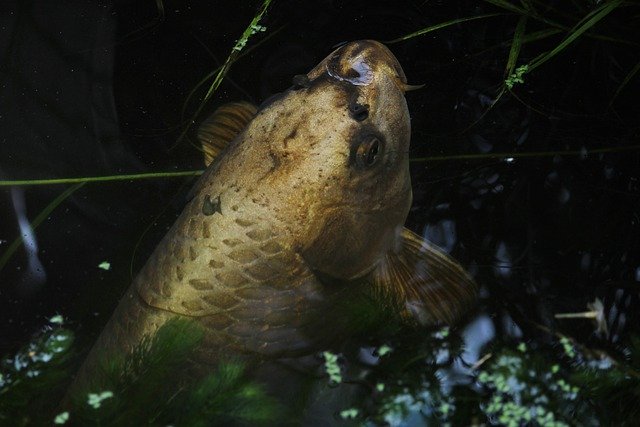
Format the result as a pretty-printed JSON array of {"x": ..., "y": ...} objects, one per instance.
[
  {"x": 426, "y": 283},
  {"x": 221, "y": 127}
]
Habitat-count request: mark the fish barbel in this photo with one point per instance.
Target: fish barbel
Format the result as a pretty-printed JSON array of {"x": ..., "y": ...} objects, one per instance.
[{"x": 302, "y": 210}]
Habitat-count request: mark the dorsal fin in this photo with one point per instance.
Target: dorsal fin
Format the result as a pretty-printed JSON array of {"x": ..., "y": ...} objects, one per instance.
[
  {"x": 222, "y": 126},
  {"x": 425, "y": 282}
]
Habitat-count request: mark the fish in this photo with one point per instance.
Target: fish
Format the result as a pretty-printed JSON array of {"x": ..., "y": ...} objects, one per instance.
[{"x": 297, "y": 220}]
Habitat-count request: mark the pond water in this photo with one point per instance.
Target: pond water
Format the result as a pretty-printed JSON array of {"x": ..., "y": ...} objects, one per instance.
[{"x": 533, "y": 188}]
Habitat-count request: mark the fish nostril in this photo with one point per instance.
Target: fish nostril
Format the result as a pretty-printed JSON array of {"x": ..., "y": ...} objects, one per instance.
[
  {"x": 301, "y": 81},
  {"x": 359, "y": 112}
]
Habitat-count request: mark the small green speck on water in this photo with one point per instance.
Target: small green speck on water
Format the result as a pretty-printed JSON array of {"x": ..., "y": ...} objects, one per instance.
[
  {"x": 380, "y": 387},
  {"x": 105, "y": 265},
  {"x": 516, "y": 77},
  {"x": 445, "y": 408},
  {"x": 568, "y": 348},
  {"x": 442, "y": 333},
  {"x": 331, "y": 367},
  {"x": 383, "y": 350},
  {"x": 61, "y": 418},
  {"x": 57, "y": 319},
  {"x": 258, "y": 29},
  {"x": 522, "y": 347},
  {"x": 349, "y": 414},
  {"x": 95, "y": 399}
]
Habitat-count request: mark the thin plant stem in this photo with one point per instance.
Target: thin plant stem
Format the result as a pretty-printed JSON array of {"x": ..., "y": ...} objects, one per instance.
[
  {"x": 110, "y": 178},
  {"x": 440, "y": 26},
  {"x": 524, "y": 154},
  {"x": 252, "y": 29}
]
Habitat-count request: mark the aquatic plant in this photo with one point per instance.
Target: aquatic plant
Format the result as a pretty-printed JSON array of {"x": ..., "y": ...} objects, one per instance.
[
  {"x": 408, "y": 379},
  {"x": 142, "y": 388},
  {"x": 149, "y": 385},
  {"x": 572, "y": 22},
  {"x": 31, "y": 379},
  {"x": 522, "y": 388},
  {"x": 612, "y": 385},
  {"x": 414, "y": 376},
  {"x": 514, "y": 384}
]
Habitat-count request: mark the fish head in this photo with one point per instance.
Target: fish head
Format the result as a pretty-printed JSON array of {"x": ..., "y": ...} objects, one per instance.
[
  {"x": 338, "y": 146},
  {"x": 360, "y": 215}
]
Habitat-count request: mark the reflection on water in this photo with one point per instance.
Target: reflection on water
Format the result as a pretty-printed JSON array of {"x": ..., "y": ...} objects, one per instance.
[{"x": 35, "y": 275}]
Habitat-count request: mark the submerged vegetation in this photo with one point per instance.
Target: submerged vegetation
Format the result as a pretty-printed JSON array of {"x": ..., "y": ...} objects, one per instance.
[
  {"x": 417, "y": 377},
  {"x": 143, "y": 388}
]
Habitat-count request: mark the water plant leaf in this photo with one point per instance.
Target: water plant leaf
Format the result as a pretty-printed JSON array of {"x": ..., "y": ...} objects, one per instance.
[
  {"x": 440, "y": 26},
  {"x": 516, "y": 45},
  {"x": 584, "y": 25},
  {"x": 213, "y": 73},
  {"x": 507, "y": 6},
  {"x": 108, "y": 178},
  {"x": 149, "y": 26},
  {"x": 524, "y": 155},
  {"x": 626, "y": 80},
  {"x": 152, "y": 386},
  {"x": 30, "y": 377},
  {"x": 254, "y": 27}
]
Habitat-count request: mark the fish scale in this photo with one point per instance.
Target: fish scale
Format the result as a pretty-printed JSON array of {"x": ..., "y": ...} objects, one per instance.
[{"x": 232, "y": 266}]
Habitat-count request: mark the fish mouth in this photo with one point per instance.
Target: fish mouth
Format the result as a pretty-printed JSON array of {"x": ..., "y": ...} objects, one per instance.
[{"x": 359, "y": 62}]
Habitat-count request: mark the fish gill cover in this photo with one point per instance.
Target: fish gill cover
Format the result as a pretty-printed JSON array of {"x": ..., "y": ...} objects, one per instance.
[{"x": 524, "y": 167}]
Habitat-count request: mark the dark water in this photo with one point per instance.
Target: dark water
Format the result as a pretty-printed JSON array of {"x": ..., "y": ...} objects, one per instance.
[{"x": 92, "y": 89}]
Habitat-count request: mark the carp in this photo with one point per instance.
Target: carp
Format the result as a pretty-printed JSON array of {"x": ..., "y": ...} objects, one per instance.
[{"x": 300, "y": 212}]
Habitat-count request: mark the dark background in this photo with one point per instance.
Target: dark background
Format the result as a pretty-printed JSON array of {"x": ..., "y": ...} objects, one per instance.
[{"x": 98, "y": 88}]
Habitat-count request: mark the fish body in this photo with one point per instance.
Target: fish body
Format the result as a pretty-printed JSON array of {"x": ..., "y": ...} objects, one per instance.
[{"x": 302, "y": 211}]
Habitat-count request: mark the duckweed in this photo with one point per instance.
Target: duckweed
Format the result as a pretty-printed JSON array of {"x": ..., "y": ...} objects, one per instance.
[{"x": 332, "y": 367}]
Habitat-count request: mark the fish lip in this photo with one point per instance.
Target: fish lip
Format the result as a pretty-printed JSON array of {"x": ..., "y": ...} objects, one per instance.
[
  {"x": 361, "y": 67},
  {"x": 358, "y": 62}
]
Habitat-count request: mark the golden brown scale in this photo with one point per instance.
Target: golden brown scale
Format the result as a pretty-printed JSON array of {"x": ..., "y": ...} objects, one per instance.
[{"x": 314, "y": 189}]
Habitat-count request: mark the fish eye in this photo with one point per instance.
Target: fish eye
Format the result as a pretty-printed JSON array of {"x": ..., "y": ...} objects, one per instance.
[
  {"x": 368, "y": 151},
  {"x": 359, "y": 112}
]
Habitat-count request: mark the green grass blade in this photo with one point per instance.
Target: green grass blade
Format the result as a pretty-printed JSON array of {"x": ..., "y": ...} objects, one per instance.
[
  {"x": 626, "y": 80},
  {"x": 485, "y": 112},
  {"x": 584, "y": 25},
  {"x": 440, "y": 26},
  {"x": 44, "y": 214},
  {"x": 526, "y": 4},
  {"x": 252, "y": 29},
  {"x": 110, "y": 178},
  {"x": 516, "y": 44},
  {"x": 540, "y": 35},
  {"x": 524, "y": 155},
  {"x": 503, "y": 4},
  {"x": 527, "y": 38},
  {"x": 156, "y": 21},
  {"x": 210, "y": 75}
]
